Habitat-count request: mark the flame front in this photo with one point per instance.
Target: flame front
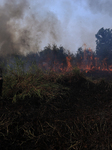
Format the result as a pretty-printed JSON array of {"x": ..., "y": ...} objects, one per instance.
[{"x": 88, "y": 63}]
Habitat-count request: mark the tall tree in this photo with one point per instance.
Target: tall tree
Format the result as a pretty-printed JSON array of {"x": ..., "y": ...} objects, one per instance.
[{"x": 104, "y": 44}]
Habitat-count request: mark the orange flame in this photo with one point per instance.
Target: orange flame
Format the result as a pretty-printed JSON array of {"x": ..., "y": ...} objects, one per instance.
[{"x": 87, "y": 63}]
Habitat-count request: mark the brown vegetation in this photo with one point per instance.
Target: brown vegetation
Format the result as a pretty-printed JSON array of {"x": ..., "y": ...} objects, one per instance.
[{"x": 55, "y": 111}]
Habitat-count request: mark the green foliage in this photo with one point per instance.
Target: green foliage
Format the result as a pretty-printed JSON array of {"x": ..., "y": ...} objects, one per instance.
[
  {"x": 76, "y": 71},
  {"x": 24, "y": 86},
  {"x": 16, "y": 67}
]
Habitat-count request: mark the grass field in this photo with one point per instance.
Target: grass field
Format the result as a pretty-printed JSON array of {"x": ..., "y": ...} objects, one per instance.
[{"x": 55, "y": 111}]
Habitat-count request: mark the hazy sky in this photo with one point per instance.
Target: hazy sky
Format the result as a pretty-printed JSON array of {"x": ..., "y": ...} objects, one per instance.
[{"x": 31, "y": 25}]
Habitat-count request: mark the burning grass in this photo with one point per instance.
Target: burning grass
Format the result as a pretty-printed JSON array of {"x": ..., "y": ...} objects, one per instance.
[{"x": 63, "y": 111}]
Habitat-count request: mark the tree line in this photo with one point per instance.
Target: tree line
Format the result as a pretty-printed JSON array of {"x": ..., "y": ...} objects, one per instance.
[{"x": 54, "y": 54}]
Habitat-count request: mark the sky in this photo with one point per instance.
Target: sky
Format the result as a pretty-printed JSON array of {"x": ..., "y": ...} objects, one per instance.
[{"x": 28, "y": 26}]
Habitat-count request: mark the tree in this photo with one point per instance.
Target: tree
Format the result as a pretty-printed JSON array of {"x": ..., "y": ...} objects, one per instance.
[{"x": 104, "y": 44}]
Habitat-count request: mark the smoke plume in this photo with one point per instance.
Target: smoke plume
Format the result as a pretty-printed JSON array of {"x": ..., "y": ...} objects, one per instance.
[
  {"x": 22, "y": 31},
  {"x": 27, "y": 26}
]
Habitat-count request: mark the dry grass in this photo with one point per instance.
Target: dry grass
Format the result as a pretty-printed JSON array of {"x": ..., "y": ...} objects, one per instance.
[{"x": 55, "y": 112}]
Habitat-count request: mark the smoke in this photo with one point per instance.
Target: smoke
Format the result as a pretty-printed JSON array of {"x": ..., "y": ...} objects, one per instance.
[
  {"x": 23, "y": 31},
  {"x": 100, "y": 6},
  {"x": 27, "y": 26},
  {"x": 93, "y": 16},
  {"x": 9, "y": 12}
]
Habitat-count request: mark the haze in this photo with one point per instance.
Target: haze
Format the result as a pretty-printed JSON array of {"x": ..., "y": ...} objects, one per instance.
[{"x": 29, "y": 26}]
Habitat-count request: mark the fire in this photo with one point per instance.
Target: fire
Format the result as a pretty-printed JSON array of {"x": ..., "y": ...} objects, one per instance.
[
  {"x": 88, "y": 62},
  {"x": 69, "y": 66},
  {"x": 56, "y": 66},
  {"x": 93, "y": 63}
]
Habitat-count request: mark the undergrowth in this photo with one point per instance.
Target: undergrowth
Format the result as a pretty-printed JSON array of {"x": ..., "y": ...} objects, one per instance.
[{"x": 49, "y": 110}]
